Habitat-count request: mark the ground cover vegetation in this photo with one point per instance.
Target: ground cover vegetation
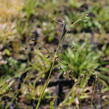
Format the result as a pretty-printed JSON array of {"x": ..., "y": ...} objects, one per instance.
[{"x": 54, "y": 54}]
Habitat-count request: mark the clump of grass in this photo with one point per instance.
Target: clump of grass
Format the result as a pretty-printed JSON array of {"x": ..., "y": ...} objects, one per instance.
[
  {"x": 29, "y": 7},
  {"x": 79, "y": 60}
]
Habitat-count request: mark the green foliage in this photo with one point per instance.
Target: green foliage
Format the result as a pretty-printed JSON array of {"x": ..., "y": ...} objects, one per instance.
[
  {"x": 103, "y": 18},
  {"x": 20, "y": 27},
  {"x": 4, "y": 86},
  {"x": 12, "y": 67},
  {"x": 29, "y": 7},
  {"x": 40, "y": 63},
  {"x": 80, "y": 60},
  {"x": 74, "y": 3},
  {"x": 91, "y": 24},
  {"x": 49, "y": 33},
  {"x": 23, "y": 23}
]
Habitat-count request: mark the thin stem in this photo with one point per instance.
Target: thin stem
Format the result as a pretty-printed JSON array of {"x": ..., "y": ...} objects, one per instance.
[
  {"x": 47, "y": 82},
  {"x": 64, "y": 31}
]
